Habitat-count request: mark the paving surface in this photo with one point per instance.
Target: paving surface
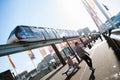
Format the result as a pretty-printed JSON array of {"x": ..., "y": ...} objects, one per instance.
[{"x": 104, "y": 60}]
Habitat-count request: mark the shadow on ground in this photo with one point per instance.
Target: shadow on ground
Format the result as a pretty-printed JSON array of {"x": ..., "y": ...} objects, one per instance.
[
  {"x": 54, "y": 73},
  {"x": 72, "y": 74}
]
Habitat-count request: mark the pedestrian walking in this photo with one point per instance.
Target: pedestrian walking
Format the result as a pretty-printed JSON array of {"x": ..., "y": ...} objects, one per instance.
[{"x": 84, "y": 55}]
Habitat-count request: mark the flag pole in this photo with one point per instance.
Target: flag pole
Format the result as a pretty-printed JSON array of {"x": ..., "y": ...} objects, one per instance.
[
  {"x": 107, "y": 17},
  {"x": 107, "y": 9},
  {"x": 13, "y": 65},
  {"x": 33, "y": 63},
  {"x": 93, "y": 15},
  {"x": 31, "y": 56},
  {"x": 16, "y": 73}
]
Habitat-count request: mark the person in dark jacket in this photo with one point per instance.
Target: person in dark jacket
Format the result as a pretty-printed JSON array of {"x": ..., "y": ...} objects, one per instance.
[{"x": 84, "y": 56}]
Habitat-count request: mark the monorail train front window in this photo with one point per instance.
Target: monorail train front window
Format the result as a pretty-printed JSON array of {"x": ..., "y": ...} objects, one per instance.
[{"x": 24, "y": 32}]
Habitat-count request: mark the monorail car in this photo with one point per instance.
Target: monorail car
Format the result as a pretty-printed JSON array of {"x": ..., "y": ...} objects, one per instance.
[{"x": 31, "y": 33}]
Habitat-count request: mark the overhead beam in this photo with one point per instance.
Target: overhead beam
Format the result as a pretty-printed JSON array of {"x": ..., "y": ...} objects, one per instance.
[{"x": 23, "y": 46}]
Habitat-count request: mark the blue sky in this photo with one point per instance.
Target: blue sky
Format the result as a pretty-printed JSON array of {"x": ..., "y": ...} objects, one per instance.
[{"x": 64, "y": 14}]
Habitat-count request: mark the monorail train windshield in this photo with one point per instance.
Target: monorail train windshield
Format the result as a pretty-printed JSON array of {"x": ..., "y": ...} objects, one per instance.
[{"x": 24, "y": 32}]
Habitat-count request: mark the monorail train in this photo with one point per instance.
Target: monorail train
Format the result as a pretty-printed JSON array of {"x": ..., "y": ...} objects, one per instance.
[{"x": 31, "y": 33}]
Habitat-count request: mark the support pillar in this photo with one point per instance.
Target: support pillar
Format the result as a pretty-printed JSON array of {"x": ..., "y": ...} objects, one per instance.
[
  {"x": 58, "y": 54},
  {"x": 71, "y": 50}
]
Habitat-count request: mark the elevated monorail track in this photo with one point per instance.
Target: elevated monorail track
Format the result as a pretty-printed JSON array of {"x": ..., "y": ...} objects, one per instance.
[{"x": 23, "y": 46}]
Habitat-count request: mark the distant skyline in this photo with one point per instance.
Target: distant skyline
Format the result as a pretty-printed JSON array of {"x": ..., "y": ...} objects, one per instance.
[{"x": 61, "y": 14}]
